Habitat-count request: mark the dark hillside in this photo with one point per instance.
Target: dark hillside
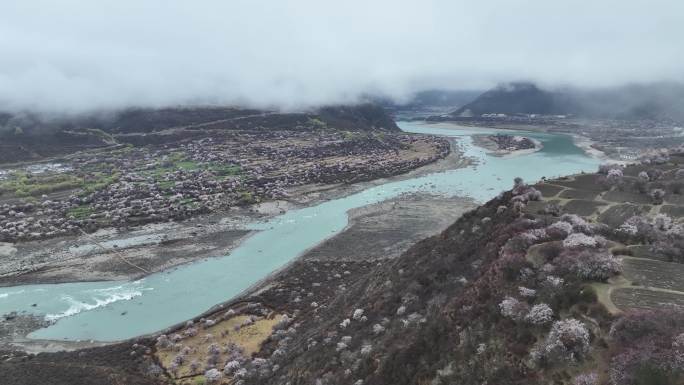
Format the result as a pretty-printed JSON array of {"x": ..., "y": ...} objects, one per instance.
[
  {"x": 26, "y": 137},
  {"x": 512, "y": 293},
  {"x": 657, "y": 101},
  {"x": 365, "y": 117},
  {"x": 512, "y": 99}
]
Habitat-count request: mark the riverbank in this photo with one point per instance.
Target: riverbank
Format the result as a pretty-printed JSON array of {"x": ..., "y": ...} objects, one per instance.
[{"x": 589, "y": 146}]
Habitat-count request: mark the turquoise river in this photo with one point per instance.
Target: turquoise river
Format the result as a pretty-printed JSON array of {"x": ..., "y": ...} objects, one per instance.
[{"x": 93, "y": 310}]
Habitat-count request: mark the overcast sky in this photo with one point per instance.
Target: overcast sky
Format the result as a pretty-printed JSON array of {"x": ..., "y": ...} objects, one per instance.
[{"x": 78, "y": 55}]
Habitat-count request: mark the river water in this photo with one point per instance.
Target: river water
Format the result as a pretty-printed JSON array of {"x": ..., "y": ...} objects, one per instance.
[{"x": 110, "y": 311}]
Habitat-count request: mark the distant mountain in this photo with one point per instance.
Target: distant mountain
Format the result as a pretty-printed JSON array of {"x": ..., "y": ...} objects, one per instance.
[
  {"x": 513, "y": 98},
  {"x": 426, "y": 100},
  {"x": 426, "y": 103},
  {"x": 31, "y": 136},
  {"x": 441, "y": 98},
  {"x": 636, "y": 101}
]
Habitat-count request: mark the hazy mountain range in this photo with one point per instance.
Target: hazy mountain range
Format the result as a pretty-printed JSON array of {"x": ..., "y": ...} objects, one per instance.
[{"x": 636, "y": 101}]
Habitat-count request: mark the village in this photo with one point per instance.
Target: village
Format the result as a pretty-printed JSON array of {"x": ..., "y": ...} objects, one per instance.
[{"x": 132, "y": 185}]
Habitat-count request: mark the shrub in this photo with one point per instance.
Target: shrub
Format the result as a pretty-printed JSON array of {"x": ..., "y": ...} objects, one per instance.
[
  {"x": 597, "y": 265},
  {"x": 163, "y": 341},
  {"x": 213, "y": 376},
  {"x": 231, "y": 367},
  {"x": 659, "y": 228},
  {"x": 638, "y": 226},
  {"x": 513, "y": 309},
  {"x": 522, "y": 193},
  {"x": 553, "y": 209},
  {"x": 567, "y": 341},
  {"x": 654, "y": 174},
  {"x": 519, "y": 186},
  {"x": 647, "y": 324},
  {"x": 534, "y": 194},
  {"x": 588, "y": 294},
  {"x": 578, "y": 223},
  {"x": 614, "y": 176},
  {"x": 550, "y": 250},
  {"x": 648, "y": 346},
  {"x": 539, "y": 314},
  {"x": 554, "y": 281},
  {"x": 605, "y": 169},
  {"x": 511, "y": 264},
  {"x": 357, "y": 314},
  {"x": 527, "y": 292},
  {"x": 519, "y": 207},
  {"x": 657, "y": 195},
  {"x": 586, "y": 379},
  {"x": 579, "y": 240},
  {"x": 559, "y": 230}
]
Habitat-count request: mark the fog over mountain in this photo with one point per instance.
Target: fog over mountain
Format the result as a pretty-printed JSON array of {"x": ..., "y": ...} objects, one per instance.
[
  {"x": 632, "y": 101},
  {"x": 77, "y": 55}
]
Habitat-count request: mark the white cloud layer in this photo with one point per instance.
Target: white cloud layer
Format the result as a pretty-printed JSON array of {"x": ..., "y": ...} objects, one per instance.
[{"x": 78, "y": 55}]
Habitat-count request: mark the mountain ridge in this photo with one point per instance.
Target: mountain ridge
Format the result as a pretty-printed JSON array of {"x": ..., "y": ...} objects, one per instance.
[{"x": 635, "y": 101}]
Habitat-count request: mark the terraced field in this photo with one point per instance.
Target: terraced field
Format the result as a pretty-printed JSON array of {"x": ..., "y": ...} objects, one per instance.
[{"x": 649, "y": 279}]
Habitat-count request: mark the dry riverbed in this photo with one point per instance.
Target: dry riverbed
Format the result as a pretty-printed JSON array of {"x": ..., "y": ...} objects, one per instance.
[{"x": 387, "y": 229}]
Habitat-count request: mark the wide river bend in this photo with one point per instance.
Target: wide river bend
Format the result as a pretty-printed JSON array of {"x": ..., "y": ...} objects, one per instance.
[{"x": 110, "y": 311}]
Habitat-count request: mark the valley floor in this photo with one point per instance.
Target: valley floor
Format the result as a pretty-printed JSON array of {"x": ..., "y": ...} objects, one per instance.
[{"x": 375, "y": 233}]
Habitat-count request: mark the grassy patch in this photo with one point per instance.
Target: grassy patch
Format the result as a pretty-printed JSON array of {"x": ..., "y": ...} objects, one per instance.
[
  {"x": 246, "y": 198},
  {"x": 640, "y": 298},
  {"x": 187, "y": 165},
  {"x": 618, "y": 214},
  {"x": 548, "y": 190},
  {"x": 317, "y": 123},
  {"x": 578, "y": 194},
  {"x": 654, "y": 273},
  {"x": 23, "y": 185},
  {"x": 100, "y": 134},
  {"x": 581, "y": 182},
  {"x": 166, "y": 184},
  {"x": 81, "y": 212},
  {"x": 173, "y": 164},
  {"x": 189, "y": 202},
  {"x": 226, "y": 169},
  {"x": 100, "y": 181},
  {"x": 249, "y": 338},
  {"x": 176, "y": 156},
  {"x": 348, "y": 135},
  {"x": 583, "y": 207},
  {"x": 618, "y": 196}
]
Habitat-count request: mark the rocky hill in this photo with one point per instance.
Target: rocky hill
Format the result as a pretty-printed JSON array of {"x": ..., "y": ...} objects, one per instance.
[
  {"x": 571, "y": 281},
  {"x": 29, "y": 136},
  {"x": 658, "y": 101},
  {"x": 511, "y": 99}
]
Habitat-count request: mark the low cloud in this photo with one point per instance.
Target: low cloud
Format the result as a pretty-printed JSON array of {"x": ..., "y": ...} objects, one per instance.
[{"x": 72, "y": 56}]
